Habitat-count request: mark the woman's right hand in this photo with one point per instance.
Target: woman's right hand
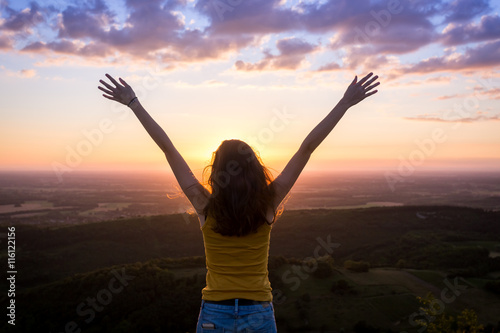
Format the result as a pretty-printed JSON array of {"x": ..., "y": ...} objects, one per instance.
[
  {"x": 358, "y": 91},
  {"x": 122, "y": 93}
]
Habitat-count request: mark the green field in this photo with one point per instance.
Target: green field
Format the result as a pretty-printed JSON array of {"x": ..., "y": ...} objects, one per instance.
[
  {"x": 26, "y": 207},
  {"x": 105, "y": 207}
]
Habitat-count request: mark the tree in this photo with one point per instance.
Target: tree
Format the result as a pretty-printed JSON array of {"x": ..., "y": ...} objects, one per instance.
[
  {"x": 436, "y": 321},
  {"x": 324, "y": 267},
  {"x": 357, "y": 266}
]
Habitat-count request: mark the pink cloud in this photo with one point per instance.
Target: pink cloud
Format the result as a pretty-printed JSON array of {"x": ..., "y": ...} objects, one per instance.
[
  {"x": 365, "y": 58},
  {"x": 437, "y": 79},
  {"x": 331, "y": 66},
  {"x": 28, "y": 73},
  {"x": 491, "y": 93},
  {"x": 445, "y": 97},
  {"x": 23, "y": 73},
  {"x": 481, "y": 116},
  {"x": 292, "y": 52},
  {"x": 5, "y": 43}
]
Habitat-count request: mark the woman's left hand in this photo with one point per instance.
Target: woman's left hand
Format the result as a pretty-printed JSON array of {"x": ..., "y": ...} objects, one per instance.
[{"x": 122, "y": 93}]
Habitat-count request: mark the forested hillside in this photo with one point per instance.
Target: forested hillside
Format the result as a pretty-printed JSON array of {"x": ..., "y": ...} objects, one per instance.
[{"x": 360, "y": 270}]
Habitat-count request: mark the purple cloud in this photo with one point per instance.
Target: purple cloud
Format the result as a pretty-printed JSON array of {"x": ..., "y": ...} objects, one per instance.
[
  {"x": 331, "y": 66},
  {"x": 367, "y": 32},
  {"x": 152, "y": 30},
  {"x": 294, "y": 46},
  {"x": 248, "y": 16},
  {"x": 365, "y": 57},
  {"x": 464, "y": 10},
  {"x": 85, "y": 21},
  {"x": 19, "y": 21},
  {"x": 487, "y": 29},
  {"x": 329, "y": 15},
  {"x": 483, "y": 56},
  {"x": 395, "y": 27},
  {"x": 292, "y": 52},
  {"x": 69, "y": 48}
]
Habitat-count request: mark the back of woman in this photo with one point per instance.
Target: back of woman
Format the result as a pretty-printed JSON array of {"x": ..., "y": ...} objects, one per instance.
[
  {"x": 236, "y": 228},
  {"x": 237, "y": 295},
  {"x": 236, "y": 265}
]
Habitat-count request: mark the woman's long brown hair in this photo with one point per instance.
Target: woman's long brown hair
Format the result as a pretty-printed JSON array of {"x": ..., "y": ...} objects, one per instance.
[{"x": 241, "y": 189}]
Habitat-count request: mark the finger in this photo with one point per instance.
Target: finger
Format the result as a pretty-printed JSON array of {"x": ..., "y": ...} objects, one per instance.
[
  {"x": 367, "y": 83},
  {"x": 106, "y": 91},
  {"x": 106, "y": 85},
  {"x": 372, "y": 86},
  {"x": 365, "y": 78},
  {"x": 354, "y": 81},
  {"x": 112, "y": 80},
  {"x": 371, "y": 93},
  {"x": 123, "y": 82}
]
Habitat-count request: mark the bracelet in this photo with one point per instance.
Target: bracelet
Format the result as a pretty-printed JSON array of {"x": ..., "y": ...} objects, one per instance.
[{"x": 131, "y": 101}]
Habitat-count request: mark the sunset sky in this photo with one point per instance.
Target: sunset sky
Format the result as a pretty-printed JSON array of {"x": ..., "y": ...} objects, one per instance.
[{"x": 264, "y": 71}]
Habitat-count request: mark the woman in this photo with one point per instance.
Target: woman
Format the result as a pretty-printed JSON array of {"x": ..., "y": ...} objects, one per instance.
[{"x": 237, "y": 214}]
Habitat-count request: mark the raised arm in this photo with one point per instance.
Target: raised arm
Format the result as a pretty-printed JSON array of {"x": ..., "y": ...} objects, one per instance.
[
  {"x": 355, "y": 93},
  {"x": 191, "y": 187}
]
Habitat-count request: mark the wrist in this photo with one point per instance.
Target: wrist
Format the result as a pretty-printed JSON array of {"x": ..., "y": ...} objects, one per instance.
[
  {"x": 132, "y": 101},
  {"x": 344, "y": 104}
]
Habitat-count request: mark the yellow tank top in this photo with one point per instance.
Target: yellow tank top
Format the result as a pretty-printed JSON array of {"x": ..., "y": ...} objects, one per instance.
[{"x": 236, "y": 266}]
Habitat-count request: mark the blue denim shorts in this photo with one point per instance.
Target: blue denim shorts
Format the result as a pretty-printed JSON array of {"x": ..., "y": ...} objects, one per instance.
[{"x": 258, "y": 318}]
